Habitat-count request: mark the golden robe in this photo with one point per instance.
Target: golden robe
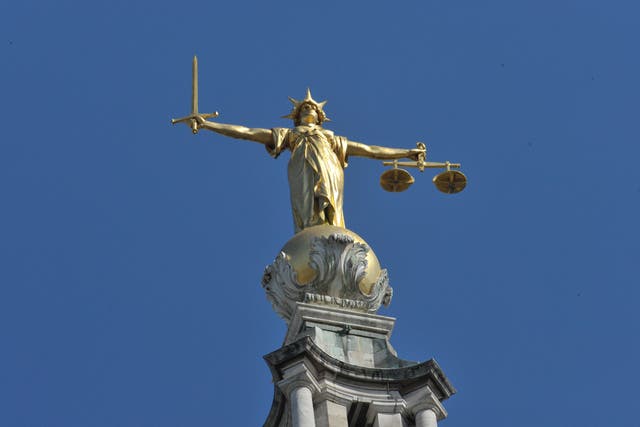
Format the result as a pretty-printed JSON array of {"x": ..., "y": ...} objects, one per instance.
[{"x": 316, "y": 176}]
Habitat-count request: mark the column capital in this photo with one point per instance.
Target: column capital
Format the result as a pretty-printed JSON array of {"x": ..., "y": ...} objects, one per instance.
[
  {"x": 424, "y": 399},
  {"x": 299, "y": 374}
]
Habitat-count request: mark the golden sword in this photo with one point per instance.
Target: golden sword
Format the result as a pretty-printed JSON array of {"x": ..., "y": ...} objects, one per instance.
[{"x": 194, "y": 102}]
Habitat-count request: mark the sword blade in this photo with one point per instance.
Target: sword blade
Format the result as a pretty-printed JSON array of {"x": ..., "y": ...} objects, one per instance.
[{"x": 194, "y": 86}]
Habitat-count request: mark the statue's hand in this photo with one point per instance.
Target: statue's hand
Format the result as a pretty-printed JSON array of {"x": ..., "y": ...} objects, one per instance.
[
  {"x": 199, "y": 118},
  {"x": 197, "y": 122},
  {"x": 417, "y": 153}
]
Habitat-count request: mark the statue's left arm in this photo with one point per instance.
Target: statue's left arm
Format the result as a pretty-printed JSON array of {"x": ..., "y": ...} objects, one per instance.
[{"x": 375, "y": 152}]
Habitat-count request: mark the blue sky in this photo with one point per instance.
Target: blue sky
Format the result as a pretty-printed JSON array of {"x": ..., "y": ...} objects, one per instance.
[{"x": 131, "y": 251}]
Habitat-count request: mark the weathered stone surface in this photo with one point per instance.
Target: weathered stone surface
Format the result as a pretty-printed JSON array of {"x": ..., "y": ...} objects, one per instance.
[
  {"x": 423, "y": 399},
  {"x": 389, "y": 420},
  {"x": 360, "y": 339},
  {"x": 347, "y": 358},
  {"x": 331, "y": 414},
  {"x": 426, "y": 418},
  {"x": 301, "y": 401}
]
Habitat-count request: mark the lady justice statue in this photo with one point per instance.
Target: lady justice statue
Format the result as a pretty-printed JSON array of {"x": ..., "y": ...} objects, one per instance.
[
  {"x": 323, "y": 261},
  {"x": 318, "y": 157},
  {"x": 326, "y": 283}
]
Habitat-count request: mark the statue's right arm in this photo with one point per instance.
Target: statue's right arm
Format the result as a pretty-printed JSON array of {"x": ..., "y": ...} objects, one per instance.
[{"x": 260, "y": 135}]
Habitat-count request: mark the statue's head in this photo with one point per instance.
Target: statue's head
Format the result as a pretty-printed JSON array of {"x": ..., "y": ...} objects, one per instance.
[{"x": 307, "y": 110}]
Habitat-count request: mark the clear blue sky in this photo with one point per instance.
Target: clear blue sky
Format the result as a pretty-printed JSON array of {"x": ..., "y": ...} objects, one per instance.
[{"x": 131, "y": 251}]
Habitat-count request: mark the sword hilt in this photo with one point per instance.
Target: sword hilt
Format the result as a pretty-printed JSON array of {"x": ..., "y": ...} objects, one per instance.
[
  {"x": 193, "y": 123},
  {"x": 191, "y": 118}
]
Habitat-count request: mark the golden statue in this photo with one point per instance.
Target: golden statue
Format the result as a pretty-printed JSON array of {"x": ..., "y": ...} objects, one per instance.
[{"x": 318, "y": 157}]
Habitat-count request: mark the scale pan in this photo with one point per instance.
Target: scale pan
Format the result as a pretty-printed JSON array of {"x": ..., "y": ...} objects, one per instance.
[
  {"x": 450, "y": 182},
  {"x": 396, "y": 180}
]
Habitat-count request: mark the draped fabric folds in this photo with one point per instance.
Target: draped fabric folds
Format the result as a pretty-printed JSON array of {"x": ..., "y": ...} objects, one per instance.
[{"x": 315, "y": 172}]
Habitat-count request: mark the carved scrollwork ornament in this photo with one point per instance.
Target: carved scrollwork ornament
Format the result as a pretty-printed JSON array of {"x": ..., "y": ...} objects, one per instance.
[{"x": 340, "y": 264}]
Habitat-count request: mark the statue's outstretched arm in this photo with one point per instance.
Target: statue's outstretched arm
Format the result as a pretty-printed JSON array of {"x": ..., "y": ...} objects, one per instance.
[
  {"x": 260, "y": 135},
  {"x": 375, "y": 152}
]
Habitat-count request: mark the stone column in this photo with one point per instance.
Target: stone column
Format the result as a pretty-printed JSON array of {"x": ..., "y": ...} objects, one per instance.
[
  {"x": 331, "y": 414},
  {"x": 424, "y": 405},
  {"x": 301, "y": 401},
  {"x": 426, "y": 418},
  {"x": 299, "y": 384}
]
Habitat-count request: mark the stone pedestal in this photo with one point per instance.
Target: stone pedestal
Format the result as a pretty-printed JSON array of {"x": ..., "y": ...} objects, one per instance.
[{"x": 337, "y": 369}]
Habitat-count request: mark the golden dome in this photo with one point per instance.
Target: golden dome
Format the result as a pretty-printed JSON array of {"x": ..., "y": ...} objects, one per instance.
[{"x": 298, "y": 251}]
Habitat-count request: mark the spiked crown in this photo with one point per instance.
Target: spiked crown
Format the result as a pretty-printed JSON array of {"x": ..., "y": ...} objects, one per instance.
[{"x": 297, "y": 105}]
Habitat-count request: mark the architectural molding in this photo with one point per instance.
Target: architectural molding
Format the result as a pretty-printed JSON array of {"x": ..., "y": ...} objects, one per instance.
[
  {"x": 424, "y": 399},
  {"x": 340, "y": 264},
  {"x": 299, "y": 374}
]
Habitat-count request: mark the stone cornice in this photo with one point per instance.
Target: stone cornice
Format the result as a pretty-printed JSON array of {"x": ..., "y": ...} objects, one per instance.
[
  {"x": 296, "y": 375},
  {"x": 380, "y": 325},
  {"x": 409, "y": 378},
  {"x": 423, "y": 398}
]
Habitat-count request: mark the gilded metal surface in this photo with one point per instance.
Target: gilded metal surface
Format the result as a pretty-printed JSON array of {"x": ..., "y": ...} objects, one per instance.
[
  {"x": 397, "y": 179},
  {"x": 450, "y": 182},
  {"x": 318, "y": 157},
  {"x": 191, "y": 118},
  {"x": 298, "y": 253},
  {"x": 341, "y": 273}
]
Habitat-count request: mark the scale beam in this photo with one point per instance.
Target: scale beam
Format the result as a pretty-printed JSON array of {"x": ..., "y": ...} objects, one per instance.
[{"x": 424, "y": 165}]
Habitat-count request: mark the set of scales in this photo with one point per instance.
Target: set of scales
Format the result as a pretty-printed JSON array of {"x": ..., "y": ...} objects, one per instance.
[{"x": 395, "y": 180}]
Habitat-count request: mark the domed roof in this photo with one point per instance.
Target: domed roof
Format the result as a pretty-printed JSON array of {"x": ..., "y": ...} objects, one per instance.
[
  {"x": 326, "y": 265},
  {"x": 298, "y": 252}
]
